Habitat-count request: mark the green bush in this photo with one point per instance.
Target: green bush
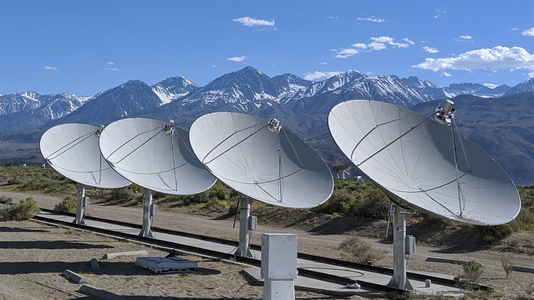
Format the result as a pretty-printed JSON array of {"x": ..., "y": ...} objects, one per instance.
[
  {"x": 123, "y": 194},
  {"x": 494, "y": 234},
  {"x": 355, "y": 250},
  {"x": 472, "y": 271},
  {"x": 196, "y": 198},
  {"x": 525, "y": 220},
  {"x": 219, "y": 191},
  {"x": 341, "y": 203},
  {"x": 507, "y": 265},
  {"x": 22, "y": 211},
  {"x": 67, "y": 205}
]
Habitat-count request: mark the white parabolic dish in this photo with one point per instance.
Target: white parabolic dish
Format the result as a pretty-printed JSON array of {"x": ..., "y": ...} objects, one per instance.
[
  {"x": 140, "y": 150},
  {"x": 411, "y": 156},
  {"x": 72, "y": 150},
  {"x": 275, "y": 168}
]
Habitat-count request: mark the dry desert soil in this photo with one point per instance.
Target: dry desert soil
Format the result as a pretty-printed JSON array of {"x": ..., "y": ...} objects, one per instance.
[{"x": 35, "y": 254}]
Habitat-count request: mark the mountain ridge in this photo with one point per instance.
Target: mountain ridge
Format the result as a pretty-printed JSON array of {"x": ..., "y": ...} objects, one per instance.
[{"x": 301, "y": 105}]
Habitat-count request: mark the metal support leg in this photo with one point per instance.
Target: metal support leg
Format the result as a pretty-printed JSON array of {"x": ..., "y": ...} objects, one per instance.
[
  {"x": 399, "y": 279},
  {"x": 80, "y": 204},
  {"x": 244, "y": 239},
  {"x": 147, "y": 215}
]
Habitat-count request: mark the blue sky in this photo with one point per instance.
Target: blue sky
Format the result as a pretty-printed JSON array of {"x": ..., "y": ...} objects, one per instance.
[{"x": 85, "y": 47}]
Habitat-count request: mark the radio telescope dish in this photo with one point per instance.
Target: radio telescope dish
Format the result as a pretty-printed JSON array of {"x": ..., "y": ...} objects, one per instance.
[
  {"x": 422, "y": 162},
  {"x": 155, "y": 155},
  {"x": 72, "y": 150},
  {"x": 261, "y": 160}
]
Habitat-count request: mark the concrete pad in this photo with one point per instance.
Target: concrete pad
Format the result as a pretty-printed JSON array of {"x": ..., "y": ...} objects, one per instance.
[{"x": 302, "y": 283}]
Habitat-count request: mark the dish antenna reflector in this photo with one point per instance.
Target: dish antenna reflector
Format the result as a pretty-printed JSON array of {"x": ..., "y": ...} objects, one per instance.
[
  {"x": 155, "y": 155},
  {"x": 72, "y": 150},
  {"x": 420, "y": 162},
  {"x": 262, "y": 161}
]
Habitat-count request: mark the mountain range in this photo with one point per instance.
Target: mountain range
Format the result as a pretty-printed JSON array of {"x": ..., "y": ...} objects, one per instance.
[{"x": 301, "y": 105}]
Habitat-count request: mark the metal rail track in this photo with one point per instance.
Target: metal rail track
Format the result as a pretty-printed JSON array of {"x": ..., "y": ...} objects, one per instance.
[{"x": 176, "y": 247}]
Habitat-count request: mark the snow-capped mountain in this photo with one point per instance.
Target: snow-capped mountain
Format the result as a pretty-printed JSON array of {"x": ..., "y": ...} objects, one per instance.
[
  {"x": 322, "y": 96},
  {"x": 292, "y": 83},
  {"x": 18, "y": 102},
  {"x": 173, "y": 88},
  {"x": 476, "y": 89},
  {"x": 456, "y": 89},
  {"x": 241, "y": 88},
  {"x": 301, "y": 105},
  {"x": 29, "y": 110},
  {"x": 123, "y": 101},
  {"x": 524, "y": 87},
  {"x": 246, "y": 90},
  {"x": 58, "y": 105}
]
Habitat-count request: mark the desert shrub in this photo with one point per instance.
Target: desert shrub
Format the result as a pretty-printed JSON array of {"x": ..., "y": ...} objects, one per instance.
[
  {"x": 47, "y": 185},
  {"x": 196, "y": 198},
  {"x": 6, "y": 200},
  {"x": 507, "y": 265},
  {"x": 340, "y": 203},
  {"x": 124, "y": 193},
  {"x": 376, "y": 204},
  {"x": 219, "y": 191},
  {"x": 22, "y": 211},
  {"x": 67, "y": 205},
  {"x": 494, "y": 234},
  {"x": 355, "y": 250},
  {"x": 353, "y": 198},
  {"x": 525, "y": 219},
  {"x": 472, "y": 271}
]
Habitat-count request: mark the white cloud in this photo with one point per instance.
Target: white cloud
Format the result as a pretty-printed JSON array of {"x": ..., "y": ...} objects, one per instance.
[
  {"x": 110, "y": 68},
  {"x": 446, "y": 74},
  {"x": 51, "y": 68},
  {"x": 331, "y": 17},
  {"x": 372, "y": 19},
  {"x": 528, "y": 32},
  {"x": 390, "y": 41},
  {"x": 496, "y": 58},
  {"x": 323, "y": 63},
  {"x": 248, "y": 21},
  {"x": 464, "y": 38},
  {"x": 359, "y": 45},
  {"x": 318, "y": 74},
  {"x": 407, "y": 40},
  {"x": 344, "y": 53},
  {"x": 236, "y": 58},
  {"x": 430, "y": 49},
  {"x": 376, "y": 44}
]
